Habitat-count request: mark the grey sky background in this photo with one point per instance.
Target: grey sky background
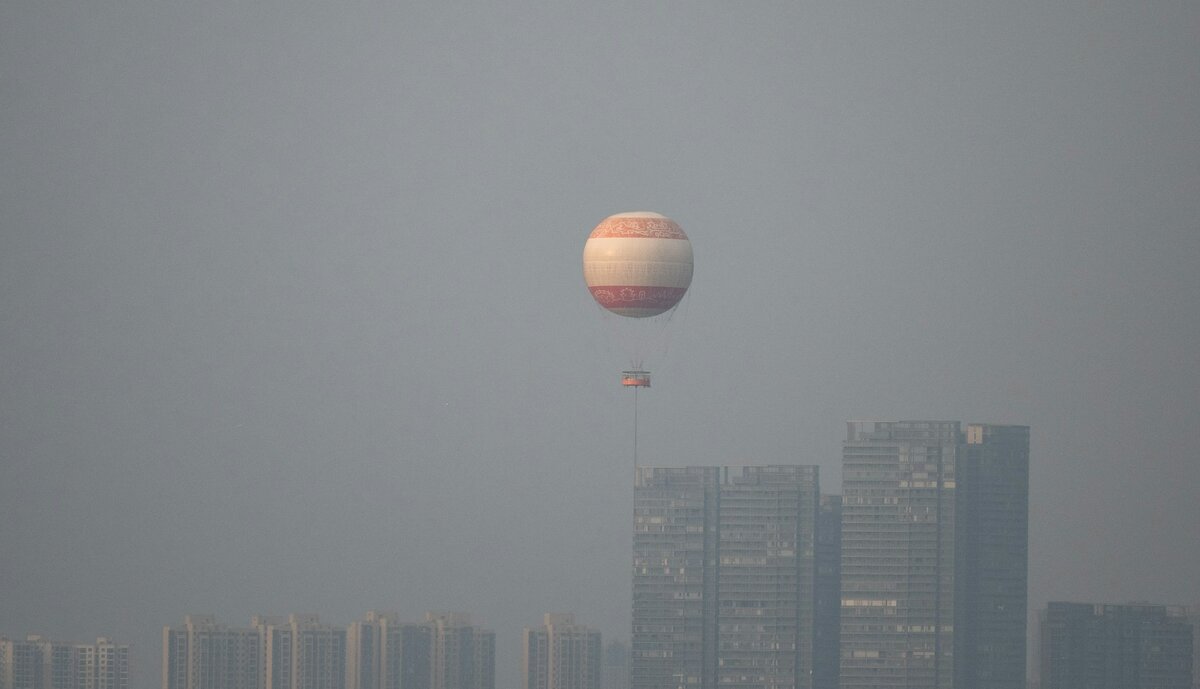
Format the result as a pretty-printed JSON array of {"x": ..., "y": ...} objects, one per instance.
[{"x": 292, "y": 316}]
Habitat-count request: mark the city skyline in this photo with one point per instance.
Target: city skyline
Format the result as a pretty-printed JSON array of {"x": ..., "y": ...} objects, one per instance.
[
  {"x": 1075, "y": 644},
  {"x": 1126, "y": 645},
  {"x": 293, "y": 314}
]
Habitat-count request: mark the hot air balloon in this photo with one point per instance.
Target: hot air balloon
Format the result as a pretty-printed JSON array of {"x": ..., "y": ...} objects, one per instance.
[{"x": 638, "y": 266}]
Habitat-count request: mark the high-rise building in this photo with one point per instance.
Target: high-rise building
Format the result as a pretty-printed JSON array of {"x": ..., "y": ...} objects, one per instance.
[
  {"x": 561, "y": 654},
  {"x": 410, "y": 657},
  {"x": 111, "y": 663},
  {"x": 675, "y": 533},
  {"x": 299, "y": 652},
  {"x": 827, "y": 617},
  {"x": 38, "y": 663},
  {"x": 366, "y": 651},
  {"x": 1087, "y": 646},
  {"x": 175, "y": 655},
  {"x": 364, "y": 654},
  {"x": 275, "y": 637},
  {"x": 384, "y": 653},
  {"x": 20, "y": 663},
  {"x": 724, "y": 577},
  {"x": 302, "y": 653},
  {"x": 463, "y": 656},
  {"x": 898, "y": 483},
  {"x": 934, "y": 555},
  {"x": 202, "y": 654},
  {"x": 1192, "y": 613},
  {"x": 991, "y": 558},
  {"x": 616, "y": 665}
]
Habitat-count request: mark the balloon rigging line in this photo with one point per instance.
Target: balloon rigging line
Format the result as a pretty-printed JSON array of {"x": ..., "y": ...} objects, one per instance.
[{"x": 635, "y": 433}]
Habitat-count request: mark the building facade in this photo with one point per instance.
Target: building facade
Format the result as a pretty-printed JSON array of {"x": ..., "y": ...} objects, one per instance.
[
  {"x": 828, "y": 613},
  {"x": 111, "y": 664},
  {"x": 724, "y": 577},
  {"x": 39, "y": 663},
  {"x": 274, "y": 652},
  {"x": 1192, "y": 612},
  {"x": 463, "y": 656},
  {"x": 302, "y": 653},
  {"x": 992, "y": 558},
  {"x": 299, "y": 652},
  {"x": 384, "y": 653},
  {"x": 202, "y": 654},
  {"x": 615, "y": 674},
  {"x": 1089, "y": 646},
  {"x": 561, "y": 654},
  {"x": 934, "y": 555},
  {"x": 367, "y": 651},
  {"x": 444, "y": 651},
  {"x": 898, "y": 489}
]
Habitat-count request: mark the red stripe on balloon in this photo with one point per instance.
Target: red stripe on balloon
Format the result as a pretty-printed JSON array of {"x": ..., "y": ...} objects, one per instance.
[
  {"x": 635, "y": 227},
  {"x": 637, "y": 297}
]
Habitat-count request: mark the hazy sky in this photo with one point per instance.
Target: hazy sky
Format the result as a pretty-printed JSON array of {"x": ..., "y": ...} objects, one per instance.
[{"x": 292, "y": 316}]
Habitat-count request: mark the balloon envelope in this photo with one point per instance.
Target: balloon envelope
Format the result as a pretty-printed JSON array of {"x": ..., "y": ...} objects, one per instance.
[{"x": 637, "y": 264}]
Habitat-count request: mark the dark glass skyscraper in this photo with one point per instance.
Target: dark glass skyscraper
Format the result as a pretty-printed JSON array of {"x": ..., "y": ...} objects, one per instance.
[
  {"x": 992, "y": 558},
  {"x": 723, "y": 577},
  {"x": 828, "y": 615}
]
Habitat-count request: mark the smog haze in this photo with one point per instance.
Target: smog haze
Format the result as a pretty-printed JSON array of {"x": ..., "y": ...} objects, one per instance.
[{"x": 292, "y": 316}]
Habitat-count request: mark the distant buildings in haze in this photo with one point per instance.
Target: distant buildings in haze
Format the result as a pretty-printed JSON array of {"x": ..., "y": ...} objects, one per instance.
[
  {"x": 744, "y": 577},
  {"x": 561, "y": 654},
  {"x": 38, "y": 663},
  {"x": 934, "y": 555},
  {"x": 615, "y": 674},
  {"x": 1134, "y": 646},
  {"x": 202, "y": 654},
  {"x": 828, "y": 614},
  {"x": 724, "y": 580},
  {"x": 1192, "y": 612},
  {"x": 294, "y": 652},
  {"x": 299, "y": 652},
  {"x": 463, "y": 656},
  {"x": 915, "y": 578}
]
